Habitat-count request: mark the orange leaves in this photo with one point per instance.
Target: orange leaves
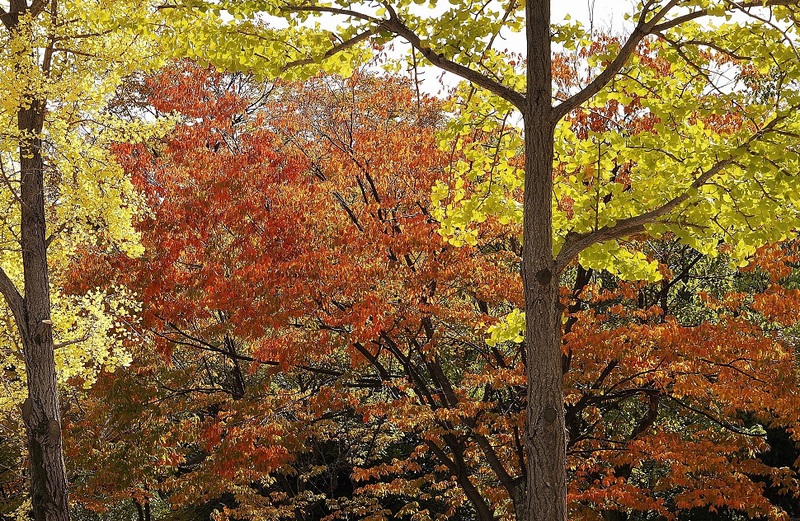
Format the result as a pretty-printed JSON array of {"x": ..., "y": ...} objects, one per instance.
[
  {"x": 313, "y": 318},
  {"x": 323, "y": 348},
  {"x": 778, "y": 304},
  {"x": 776, "y": 260},
  {"x": 679, "y": 391}
]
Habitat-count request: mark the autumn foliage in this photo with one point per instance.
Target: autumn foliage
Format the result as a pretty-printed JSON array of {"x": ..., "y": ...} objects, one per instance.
[
  {"x": 310, "y": 347},
  {"x": 290, "y": 313},
  {"x": 252, "y": 271}
]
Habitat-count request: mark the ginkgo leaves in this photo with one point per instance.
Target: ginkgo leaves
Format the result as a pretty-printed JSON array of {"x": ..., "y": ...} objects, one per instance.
[
  {"x": 230, "y": 36},
  {"x": 666, "y": 146},
  {"x": 485, "y": 175},
  {"x": 73, "y": 61}
]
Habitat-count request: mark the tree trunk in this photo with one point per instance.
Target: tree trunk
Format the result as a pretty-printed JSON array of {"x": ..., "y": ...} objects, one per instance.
[
  {"x": 139, "y": 510},
  {"x": 545, "y": 443},
  {"x": 40, "y": 412}
]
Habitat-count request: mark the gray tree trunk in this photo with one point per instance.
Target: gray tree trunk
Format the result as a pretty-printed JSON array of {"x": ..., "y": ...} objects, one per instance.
[{"x": 40, "y": 411}]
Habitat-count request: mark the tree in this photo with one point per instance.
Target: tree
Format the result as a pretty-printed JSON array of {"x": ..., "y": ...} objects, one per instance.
[
  {"x": 369, "y": 389},
  {"x": 656, "y": 389},
  {"x": 363, "y": 154},
  {"x": 720, "y": 171},
  {"x": 59, "y": 63}
]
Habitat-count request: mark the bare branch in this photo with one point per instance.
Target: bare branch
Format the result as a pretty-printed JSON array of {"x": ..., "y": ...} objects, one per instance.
[
  {"x": 510, "y": 483},
  {"x": 347, "y": 209},
  {"x": 786, "y": 37},
  {"x": 722, "y": 422}
]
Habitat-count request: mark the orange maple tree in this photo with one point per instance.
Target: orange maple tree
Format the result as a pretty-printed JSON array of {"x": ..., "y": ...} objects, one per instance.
[{"x": 296, "y": 283}]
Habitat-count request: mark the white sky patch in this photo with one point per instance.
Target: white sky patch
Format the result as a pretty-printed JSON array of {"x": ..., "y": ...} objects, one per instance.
[{"x": 602, "y": 15}]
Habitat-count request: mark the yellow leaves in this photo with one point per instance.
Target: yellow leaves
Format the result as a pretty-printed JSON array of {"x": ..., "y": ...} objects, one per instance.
[
  {"x": 90, "y": 331},
  {"x": 73, "y": 60},
  {"x": 510, "y": 329},
  {"x": 485, "y": 175},
  {"x": 22, "y": 512},
  {"x": 620, "y": 261}
]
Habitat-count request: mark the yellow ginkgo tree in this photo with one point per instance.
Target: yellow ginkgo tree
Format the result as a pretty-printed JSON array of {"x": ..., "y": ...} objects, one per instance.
[{"x": 61, "y": 61}]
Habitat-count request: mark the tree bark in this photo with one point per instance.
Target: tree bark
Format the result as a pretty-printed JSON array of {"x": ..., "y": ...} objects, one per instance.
[
  {"x": 40, "y": 411},
  {"x": 545, "y": 442}
]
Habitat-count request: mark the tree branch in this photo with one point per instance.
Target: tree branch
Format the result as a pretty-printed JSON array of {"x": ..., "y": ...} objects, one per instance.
[
  {"x": 457, "y": 469},
  {"x": 7, "y": 19},
  {"x": 330, "y": 52},
  {"x": 394, "y": 25},
  {"x": 719, "y": 421},
  {"x": 577, "y": 242},
  {"x": 201, "y": 344},
  {"x": 739, "y": 6},
  {"x": 510, "y": 483},
  {"x": 37, "y": 6},
  {"x": 13, "y": 298},
  {"x": 642, "y": 29},
  {"x": 347, "y": 209},
  {"x": 84, "y": 338}
]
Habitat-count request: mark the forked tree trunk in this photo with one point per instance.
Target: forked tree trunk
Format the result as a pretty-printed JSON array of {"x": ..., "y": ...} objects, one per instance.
[{"x": 545, "y": 442}]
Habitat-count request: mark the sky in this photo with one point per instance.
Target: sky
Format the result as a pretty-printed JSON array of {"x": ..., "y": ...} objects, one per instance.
[{"x": 607, "y": 13}]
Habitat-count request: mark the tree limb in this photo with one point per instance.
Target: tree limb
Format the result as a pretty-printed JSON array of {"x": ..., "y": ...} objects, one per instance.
[
  {"x": 201, "y": 344},
  {"x": 13, "y": 298},
  {"x": 84, "y": 338},
  {"x": 642, "y": 29},
  {"x": 510, "y": 483},
  {"x": 37, "y": 6},
  {"x": 394, "y": 25},
  {"x": 739, "y": 6},
  {"x": 8, "y": 20},
  {"x": 330, "y": 52},
  {"x": 577, "y": 242}
]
